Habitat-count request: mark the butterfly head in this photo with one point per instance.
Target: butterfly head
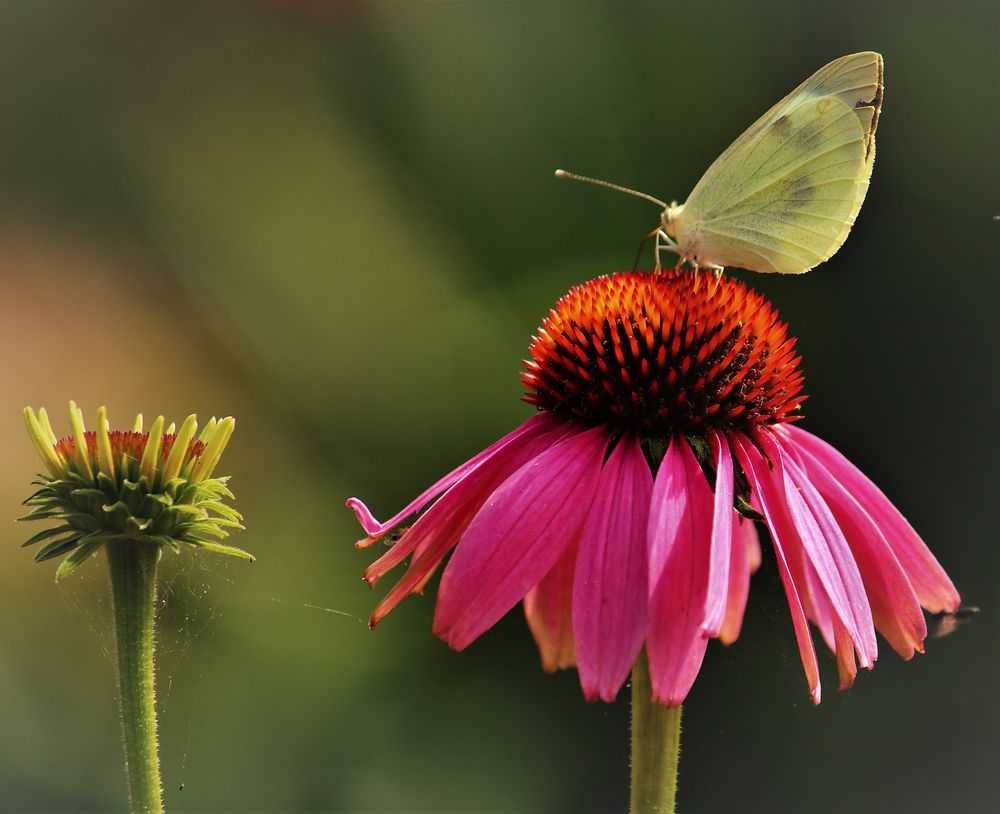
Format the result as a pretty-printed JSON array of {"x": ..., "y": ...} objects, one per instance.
[
  {"x": 672, "y": 223},
  {"x": 668, "y": 221}
]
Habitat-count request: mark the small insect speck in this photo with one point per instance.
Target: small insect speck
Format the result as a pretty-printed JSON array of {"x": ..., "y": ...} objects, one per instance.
[{"x": 944, "y": 624}]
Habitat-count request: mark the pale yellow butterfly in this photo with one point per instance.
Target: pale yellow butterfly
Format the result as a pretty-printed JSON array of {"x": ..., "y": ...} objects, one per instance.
[{"x": 783, "y": 197}]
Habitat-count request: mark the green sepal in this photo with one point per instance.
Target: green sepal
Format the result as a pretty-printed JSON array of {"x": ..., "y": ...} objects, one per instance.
[
  {"x": 88, "y": 499},
  {"x": 212, "y": 530},
  {"x": 189, "y": 493},
  {"x": 745, "y": 509},
  {"x": 187, "y": 508},
  {"x": 80, "y": 480},
  {"x": 153, "y": 505},
  {"x": 82, "y": 521},
  {"x": 220, "y": 548},
  {"x": 221, "y": 509},
  {"x": 108, "y": 487},
  {"x": 700, "y": 446},
  {"x": 741, "y": 496},
  {"x": 44, "y": 512},
  {"x": 175, "y": 530},
  {"x": 174, "y": 486},
  {"x": 88, "y": 493},
  {"x": 222, "y": 523},
  {"x": 216, "y": 488},
  {"x": 163, "y": 540},
  {"x": 45, "y": 493},
  {"x": 656, "y": 450},
  {"x": 131, "y": 495},
  {"x": 117, "y": 514},
  {"x": 79, "y": 557},
  {"x": 57, "y": 547},
  {"x": 136, "y": 526},
  {"x": 46, "y": 533}
]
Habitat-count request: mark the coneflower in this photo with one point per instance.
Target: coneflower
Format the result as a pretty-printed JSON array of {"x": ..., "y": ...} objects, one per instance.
[
  {"x": 623, "y": 514},
  {"x": 132, "y": 494}
]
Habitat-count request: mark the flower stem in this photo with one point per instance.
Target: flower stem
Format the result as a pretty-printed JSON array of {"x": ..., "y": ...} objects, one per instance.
[
  {"x": 133, "y": 591},
  {"x": 656, "y": 746}
]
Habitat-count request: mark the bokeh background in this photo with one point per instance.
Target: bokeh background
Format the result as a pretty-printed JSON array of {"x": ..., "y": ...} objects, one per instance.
[{"x": 337, "y": 222}]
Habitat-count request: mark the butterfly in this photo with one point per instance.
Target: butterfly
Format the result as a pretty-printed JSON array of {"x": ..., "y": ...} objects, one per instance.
[{"x": 782, "y": 197}]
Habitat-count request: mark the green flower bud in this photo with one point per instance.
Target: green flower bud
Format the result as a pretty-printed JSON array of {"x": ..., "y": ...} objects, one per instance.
[{"x": 155, "y": 487}]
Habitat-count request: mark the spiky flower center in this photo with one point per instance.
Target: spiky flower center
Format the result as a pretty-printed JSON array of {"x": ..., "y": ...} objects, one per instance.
[
  {"x": 664, "y": 352},
  {"x": 127, "y": 442}
]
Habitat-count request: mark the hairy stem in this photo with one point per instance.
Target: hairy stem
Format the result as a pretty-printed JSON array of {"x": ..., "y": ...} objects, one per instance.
[
  {"x": 133, "y": 590},
  {"x": 656, "y": 746}
]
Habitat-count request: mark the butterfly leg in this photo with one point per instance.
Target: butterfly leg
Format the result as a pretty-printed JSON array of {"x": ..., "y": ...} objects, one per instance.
[
  {"x": 717, "y": 278},
  {"x": 665, "y": 243}
]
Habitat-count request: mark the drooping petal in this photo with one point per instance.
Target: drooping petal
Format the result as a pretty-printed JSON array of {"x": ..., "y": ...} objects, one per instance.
[
  {"x": 453, "y": 512},
  {"x": 933, "y": 587},
  {"x": 517, "y": 536},
  {"x": 609, "y": 594},
  {"x": 895, "y": 607},
  {"x": 680, "y": 530},
  {"x": 374, "y": 529},
  {"x": 826, "y": 548},
  {"x": 847, "y": 565},
  {"x": 549, "y": 610},
  {"x": 814, "y": 598},
  {"x": 847, "y": 667},
  {"x": 723, "y": 518},
  {"x": 744, "y": 560},
  {"x": 770, "y": 503},
  {"x": 438, "y": 530},
  {"x": 802, "y": 571}
]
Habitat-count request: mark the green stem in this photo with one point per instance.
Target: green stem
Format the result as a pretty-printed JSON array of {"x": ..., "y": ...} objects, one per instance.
[
  {"x": 656, "y": 746},
  {"x": 133, "y": 591}
]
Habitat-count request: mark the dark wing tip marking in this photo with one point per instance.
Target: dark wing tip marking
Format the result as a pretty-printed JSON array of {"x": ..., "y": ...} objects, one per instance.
[{"x": 875, "y": 103}]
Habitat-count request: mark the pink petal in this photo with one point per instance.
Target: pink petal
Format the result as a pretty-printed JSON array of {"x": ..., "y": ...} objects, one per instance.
[
  {"x": 753, "y": 543},
  {"x": 609, "y": 595},
  {"x": 933, "y": 588},
  {"x": 434, "y": 546},
  {"x": 723, "y": 518},
  {"x": 847, "y": 668},
  {"x": 374, "y": 529},
  {"x": 895, "y": 606},
  {"x": 814, "y": 599},
  {"x": 769, "y": 502},
  {"x": 680, "y": 530},
  {"x": 807, "y": 583},
  {"x": 517, "y": 536},
  {"x": 744, "y": 560},
  {"x": 826, "y": 548},
  {"x": 549, "y": 609},
  {"x": 436, "y": 531}
]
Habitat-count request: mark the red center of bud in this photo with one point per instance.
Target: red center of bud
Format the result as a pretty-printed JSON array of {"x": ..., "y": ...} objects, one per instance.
[
  {"x": 664, "y": 352},
  {"x": 130, "y": 443}
]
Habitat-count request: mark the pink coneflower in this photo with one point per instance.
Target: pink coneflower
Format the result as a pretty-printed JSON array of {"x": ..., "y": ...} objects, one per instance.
[{"x": 623, "y": 513}]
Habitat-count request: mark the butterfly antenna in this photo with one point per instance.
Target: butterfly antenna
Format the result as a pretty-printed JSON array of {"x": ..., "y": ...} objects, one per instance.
[
  {"x": 574, "y": 177},
  {"x": 642, "y": 245}
]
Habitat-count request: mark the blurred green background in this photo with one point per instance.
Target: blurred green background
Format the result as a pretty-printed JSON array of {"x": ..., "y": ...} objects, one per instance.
[{"x": 337, "y": 222}]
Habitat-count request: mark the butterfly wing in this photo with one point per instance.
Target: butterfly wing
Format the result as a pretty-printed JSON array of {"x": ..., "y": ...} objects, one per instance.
[{"x": 784, "y": 195}]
